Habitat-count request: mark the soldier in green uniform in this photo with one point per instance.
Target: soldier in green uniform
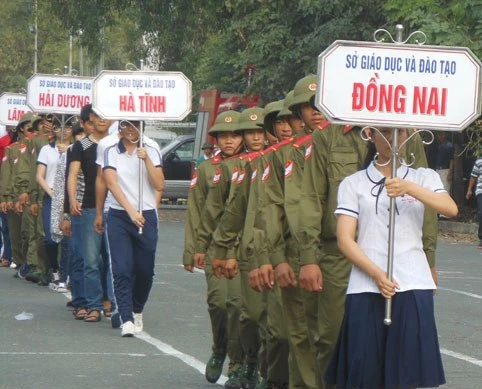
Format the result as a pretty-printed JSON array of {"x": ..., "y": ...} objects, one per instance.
[
  {"x": 23, "y": 174},
  {"x": 336, "y": 153},
  {"x": 202, "y": 181},
  {"x": 246, "y": 206},
  {"x": 221, "y": 194},
  {"x": 35, "y": 193},
  {"x": 7, "y": 177},
  {"x": 281, "y": 246}
]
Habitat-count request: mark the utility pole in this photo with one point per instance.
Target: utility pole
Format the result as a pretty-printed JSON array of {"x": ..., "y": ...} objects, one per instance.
[{"x": 35, "y": 38}]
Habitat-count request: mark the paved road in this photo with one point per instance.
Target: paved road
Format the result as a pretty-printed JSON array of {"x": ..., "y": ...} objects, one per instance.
[{"x": 53, "y": 350}]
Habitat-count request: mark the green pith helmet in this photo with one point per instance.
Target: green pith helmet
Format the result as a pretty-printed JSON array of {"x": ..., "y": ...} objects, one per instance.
[
  {"x": 304, "y": 91},
  {"x": 285, "y": 111},
  {"x": 225, "y": 122},
  {"x": 249, "y": 118},
  {"x": 26, "y": 117},
  {"x": 270, "y": 114}
]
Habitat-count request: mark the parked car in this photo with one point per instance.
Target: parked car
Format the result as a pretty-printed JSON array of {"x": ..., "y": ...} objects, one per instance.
[{"x": 178, "y": 166}]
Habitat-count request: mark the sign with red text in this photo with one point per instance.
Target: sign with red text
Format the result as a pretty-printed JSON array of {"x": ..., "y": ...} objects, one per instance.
[
  {"x": 399, "y": 85},
  {"x": 142, "y": 95},
  {"x": 12, "y": 108},
  {"x": 49, "y": 93}
]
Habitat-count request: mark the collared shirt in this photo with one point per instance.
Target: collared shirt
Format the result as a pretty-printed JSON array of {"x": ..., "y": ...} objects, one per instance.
[
  {"x": 363, "y": 196},
  {"x": 477, "y": 174},
  {"x": 105, "y": 143},
  {"x": 127, "y": 166},
  {"x": 49, "y": 157}
]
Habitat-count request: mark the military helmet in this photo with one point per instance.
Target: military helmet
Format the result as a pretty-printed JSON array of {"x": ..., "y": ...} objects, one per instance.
[
  {"x": 26, "y": 117},
  {"x": 270, "y": 114},
  {"x": 304, "y": 91},
  {"x": 285, "y": 111},
  {"x": 249, "y": 118},
  {"x": 225, "y": 122}
]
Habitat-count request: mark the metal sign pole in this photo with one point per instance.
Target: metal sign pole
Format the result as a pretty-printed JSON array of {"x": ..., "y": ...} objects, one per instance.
[
  {"x": 391, "y": 218},
  {"x": 391, "y": 228},
  {"x": 141, "y": 178}
]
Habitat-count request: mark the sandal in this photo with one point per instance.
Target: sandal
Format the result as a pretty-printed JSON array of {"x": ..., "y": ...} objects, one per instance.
[
  {"x": 5, "y": 263},
  {"x": 80, "y": 313},
  {"x": 93, "y": 316}
]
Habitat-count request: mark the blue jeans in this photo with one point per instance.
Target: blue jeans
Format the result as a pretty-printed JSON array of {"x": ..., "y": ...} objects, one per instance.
[
  {"x": 52, "y": 247},
  {"x": 5, "y": 238},
  {"x": 91, "y": 254},
  {"x": 77, "y": 264}
]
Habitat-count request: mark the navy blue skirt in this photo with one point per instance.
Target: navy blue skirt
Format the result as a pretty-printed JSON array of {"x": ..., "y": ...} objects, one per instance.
[{"x": 370, "y": 355}]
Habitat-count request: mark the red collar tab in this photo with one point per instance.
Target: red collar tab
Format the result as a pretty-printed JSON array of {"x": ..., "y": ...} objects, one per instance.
[
  {"x": 347, "y": 129},
  {"x": 302, "y": 139},
  {"x": 323, "y": 125},
  {"x": 278, "y": 145},
  {"x": 248, "y": 156}
]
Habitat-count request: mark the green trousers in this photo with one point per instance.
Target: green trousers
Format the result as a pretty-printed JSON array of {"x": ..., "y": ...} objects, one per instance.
[
  {"x": 302, "y": 354},
  {"x": 15, "y": 231},
  {"x": 277, "y": 340},
  {"x": 224, "y": 307},
  {"x": 251, "y": 307},
  {"x": 29, "y": 237},
  {"x": 329, "y": 305}
]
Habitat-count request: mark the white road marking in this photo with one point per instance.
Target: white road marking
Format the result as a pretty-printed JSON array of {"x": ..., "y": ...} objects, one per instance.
[
  {"x": 169, "y": 350},
  {"x": 443, "y": 277},
  {"x": 463, "y": 357},
  {"x": 476, "y": 296},
  {"x": 68, "y": 353}
]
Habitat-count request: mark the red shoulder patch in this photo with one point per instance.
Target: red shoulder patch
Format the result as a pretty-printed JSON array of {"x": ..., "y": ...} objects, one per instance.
[
  {"x": 217, "y": 176},
  {"x": 266, "y": 172},
  {"x": 288, "y": 168}
]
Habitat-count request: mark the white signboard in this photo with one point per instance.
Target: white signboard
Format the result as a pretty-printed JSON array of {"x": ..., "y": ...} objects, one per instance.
[
  {"x": 389, "y": 85},
  {"x": 12, "y": 108},
  {"x": 48, "y": 93},
  {"x": 142, "y": 95}
]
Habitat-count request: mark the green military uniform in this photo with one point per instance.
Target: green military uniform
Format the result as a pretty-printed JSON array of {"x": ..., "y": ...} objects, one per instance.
[
  {"x": 336, "y": 153},
  {"x": 235, "y": 230},
  {"x": 223, "y": 193},
  {"x": 14, "y": 220},
  {"x": 269, "y": 246},
  {"x": 22, "y": 176},
  {"x": 213, "y": 209},
  {"x": 217, "y": 289},
  {"x": 36, "y": 194},
  {"x": 285, "y": 182}
]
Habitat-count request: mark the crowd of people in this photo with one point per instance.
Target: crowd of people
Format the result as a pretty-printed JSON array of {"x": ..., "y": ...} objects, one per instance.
[
  {"x": 63, "y": 179},
  {"x": 289, "y": 220},
  {"x": 287, "y": 214}
]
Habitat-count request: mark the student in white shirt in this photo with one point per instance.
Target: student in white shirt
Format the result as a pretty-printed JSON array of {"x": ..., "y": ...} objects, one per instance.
[
  {"x": 47, "y": 162},
  {"x": 405, "y": 354},
  {"x": 132, "y": 253}
]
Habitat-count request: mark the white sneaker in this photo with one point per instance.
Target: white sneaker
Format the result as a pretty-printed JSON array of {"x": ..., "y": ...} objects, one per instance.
[
  {"x": 128, "y": 329},
  {"x": 139, "y": 325}
]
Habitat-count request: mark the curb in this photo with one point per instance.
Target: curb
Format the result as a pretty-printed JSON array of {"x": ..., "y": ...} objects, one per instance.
[{"x": 458, "y": 227}]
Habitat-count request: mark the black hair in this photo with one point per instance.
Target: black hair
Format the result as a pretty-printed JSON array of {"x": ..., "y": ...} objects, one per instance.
[
  {"x": 85, "y": 112},
  {"x": 77, "y": 129},
  {"x": 372, "y": 151}
]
